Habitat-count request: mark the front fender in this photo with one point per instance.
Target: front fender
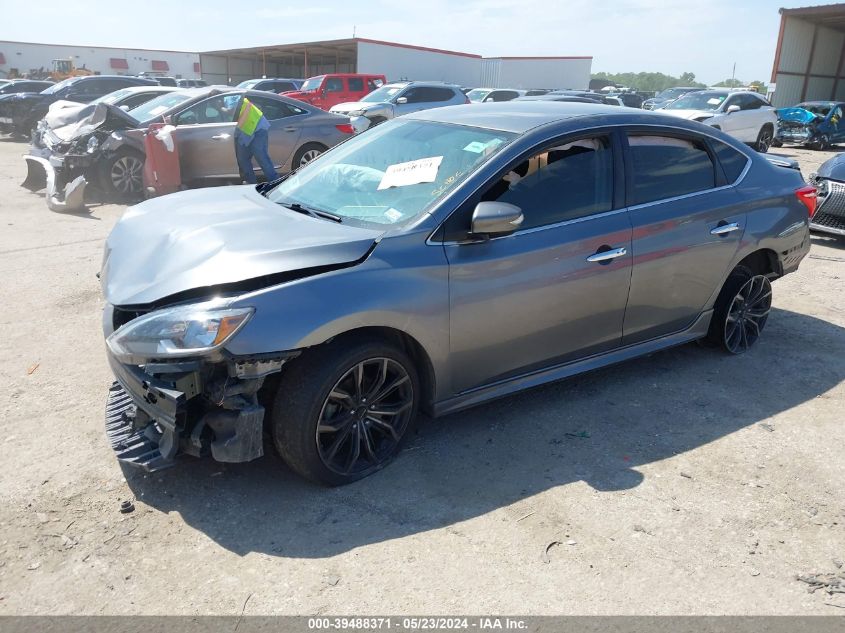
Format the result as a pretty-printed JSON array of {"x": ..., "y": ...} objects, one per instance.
[{"x": 403, "y": 285}]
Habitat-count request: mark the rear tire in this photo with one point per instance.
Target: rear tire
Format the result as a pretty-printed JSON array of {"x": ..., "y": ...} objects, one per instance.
[
  {"x": 741, "y": 311},
  {"x": 343, "y": 410},
  {"x": 306, "y": 154},
  {"x": 764, "y": 139},
  {"x": 776, "y": 143}
]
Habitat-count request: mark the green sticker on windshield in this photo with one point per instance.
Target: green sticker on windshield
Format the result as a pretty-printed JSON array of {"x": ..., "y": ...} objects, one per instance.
[{"x": 478, "y": 147}]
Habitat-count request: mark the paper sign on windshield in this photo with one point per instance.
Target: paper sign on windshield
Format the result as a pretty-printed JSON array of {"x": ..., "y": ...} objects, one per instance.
[{"x": 411, "y": 173}]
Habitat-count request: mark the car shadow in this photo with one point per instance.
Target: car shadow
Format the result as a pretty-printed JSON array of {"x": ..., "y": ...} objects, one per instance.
[
  {"x": 833, "y": 241},
  {"x": 595, "y": 428}
]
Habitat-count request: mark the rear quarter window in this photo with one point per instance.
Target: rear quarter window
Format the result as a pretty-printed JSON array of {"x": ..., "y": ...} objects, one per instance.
[
  {"x": 667, "y": 167},
  {"x": 733, "y": 161}
]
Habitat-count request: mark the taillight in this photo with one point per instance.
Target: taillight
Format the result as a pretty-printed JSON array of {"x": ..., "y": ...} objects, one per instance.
[
  {"x": 346, "y": 128},
  {"x": 808, "y": 196}
]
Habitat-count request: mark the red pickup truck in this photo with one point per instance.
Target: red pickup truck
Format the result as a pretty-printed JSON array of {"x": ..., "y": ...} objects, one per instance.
[{"x": 325, "y": 91}]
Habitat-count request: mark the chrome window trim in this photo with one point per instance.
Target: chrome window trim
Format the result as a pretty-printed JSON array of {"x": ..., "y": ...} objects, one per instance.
[{"x": 660, "y": 126}]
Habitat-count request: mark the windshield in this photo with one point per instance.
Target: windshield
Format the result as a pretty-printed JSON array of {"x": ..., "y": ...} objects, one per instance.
[
  {"x": 392, "y": 173},
  {"x": 385, "y": 93},
  {"x": 55, "y": 88},
  {"x": 672, "y": 93},
  {"x": 705, "y": 100},
  {"x": 156, "y": 107},
  {"x": 822, "y": 109},
  {"x": 113, "y": 97},
  {"x": 249, "y": 83},
  {"x": 313, "y": 83},
  {"x": 477, "y": 95}
]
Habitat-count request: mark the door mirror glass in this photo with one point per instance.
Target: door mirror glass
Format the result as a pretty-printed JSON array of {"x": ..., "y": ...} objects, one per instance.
[
  {"x": 732, "y": 108},
  {"x": 496, "y": 218},
  {"x": 402, "y": 100}
]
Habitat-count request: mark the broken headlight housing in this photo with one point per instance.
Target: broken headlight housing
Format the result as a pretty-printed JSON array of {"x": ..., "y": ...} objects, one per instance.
[
  {"x": 92, "y": 145},
  {"x": 190, "y": 330}
]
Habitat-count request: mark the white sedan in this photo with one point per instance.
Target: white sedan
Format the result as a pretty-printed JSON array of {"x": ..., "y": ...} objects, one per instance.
[{"x": 747, "y": 116}]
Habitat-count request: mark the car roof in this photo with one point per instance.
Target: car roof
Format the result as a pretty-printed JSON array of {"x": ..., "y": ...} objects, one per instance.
[
  {"x": 150, "y": 88},
  {"x": 520, "y": 116},
  {"x": 821, "y": 102}
]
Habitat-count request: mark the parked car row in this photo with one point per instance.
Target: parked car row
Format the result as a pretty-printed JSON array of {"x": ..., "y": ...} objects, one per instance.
[{"x": 103, "y": 144}]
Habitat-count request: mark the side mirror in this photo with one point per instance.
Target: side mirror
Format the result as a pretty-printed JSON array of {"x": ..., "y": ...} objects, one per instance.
[
  {"x": 732, "y": 109},
  {"x": 496, "y": 218},
  {"x": 402, "y": 100}
]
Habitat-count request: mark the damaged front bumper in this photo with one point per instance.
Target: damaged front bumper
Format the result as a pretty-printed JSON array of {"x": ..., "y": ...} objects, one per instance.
[
  {"x": 830, "y": 210},
  {"x": 158, "y": 411},
  {"x": 47, "y": 171}
]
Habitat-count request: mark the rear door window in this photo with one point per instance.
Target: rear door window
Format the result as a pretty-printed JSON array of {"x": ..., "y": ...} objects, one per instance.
[
  {"x": 667, "y": 167},
  {"x": 356, "y": 84}
]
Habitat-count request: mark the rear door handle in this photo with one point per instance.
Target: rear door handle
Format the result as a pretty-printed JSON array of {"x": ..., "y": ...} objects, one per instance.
[
  {"x": 606, "y": 256},
  {"x": 724, "y": 229},
  {"x": 221, "y": 137}
]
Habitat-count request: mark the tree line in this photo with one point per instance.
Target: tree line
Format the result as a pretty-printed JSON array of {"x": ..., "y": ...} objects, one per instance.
[{"x": 655, "y": 82}]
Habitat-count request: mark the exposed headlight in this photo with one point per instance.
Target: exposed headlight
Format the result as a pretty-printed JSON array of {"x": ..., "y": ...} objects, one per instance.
[
  {"x": 93, "y": 144},
  {"x": 192, "y": 330}
]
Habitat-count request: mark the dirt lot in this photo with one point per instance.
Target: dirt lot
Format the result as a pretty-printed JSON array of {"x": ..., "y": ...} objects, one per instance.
[{"x": 687, "y": 482}]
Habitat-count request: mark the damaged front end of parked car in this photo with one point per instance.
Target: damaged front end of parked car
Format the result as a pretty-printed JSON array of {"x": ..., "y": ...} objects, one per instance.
[
  {"x": 91, "y": 148},
  {"x": 185, "y": 380},
  {"x": 801, "y": 127},
  {"x": 830, "y": 207}
]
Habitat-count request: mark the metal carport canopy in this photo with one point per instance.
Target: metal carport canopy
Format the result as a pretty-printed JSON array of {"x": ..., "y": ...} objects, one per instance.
[
  {"x": 810, "y": 54},
  {"x": 300, "y": 60}
]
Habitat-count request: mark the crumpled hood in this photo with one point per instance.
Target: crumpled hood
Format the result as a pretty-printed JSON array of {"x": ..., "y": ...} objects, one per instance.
[
  {"x": 219, "y": 235},
  {"x": 72, "y": 123},
  {"x": 689, "y": 115},
  {"x": 796, "y": 115}
]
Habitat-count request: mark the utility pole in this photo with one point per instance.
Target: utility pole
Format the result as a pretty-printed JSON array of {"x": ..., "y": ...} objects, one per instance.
[{"x": 733, "y": 77}]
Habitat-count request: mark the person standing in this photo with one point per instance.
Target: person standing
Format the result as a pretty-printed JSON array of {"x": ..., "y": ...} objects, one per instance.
[{"x": 252, "y": 140}]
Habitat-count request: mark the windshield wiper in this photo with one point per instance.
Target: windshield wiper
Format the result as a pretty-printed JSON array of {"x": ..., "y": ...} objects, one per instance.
[{"x": 314, "y": 213}]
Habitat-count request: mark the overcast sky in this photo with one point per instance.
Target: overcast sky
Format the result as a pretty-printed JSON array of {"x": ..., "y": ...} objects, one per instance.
[{"x": 668, "y": 36}]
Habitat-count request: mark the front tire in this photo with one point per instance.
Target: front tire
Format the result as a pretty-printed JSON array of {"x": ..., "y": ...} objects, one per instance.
[
  {"x": 343, "y": 410},
  {"x": 821, "y": 143},
  {"x": 741, "y": 311},
  {"x": 122, "y": 175}
]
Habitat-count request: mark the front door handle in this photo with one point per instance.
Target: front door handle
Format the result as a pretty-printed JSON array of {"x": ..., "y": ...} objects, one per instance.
[
  {"x": 290, "y": 128},
  {"x": 606, "y": 256},
  {"x": 724, "y": 229},
  {"x": 221, "y": 137}
]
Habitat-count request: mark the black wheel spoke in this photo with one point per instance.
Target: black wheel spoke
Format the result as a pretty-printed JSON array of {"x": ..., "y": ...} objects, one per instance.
[
  {"x": 355, "y": 453},
  {"x": 339, "y": 441},
  {"x": 380, "y": 380},
  {"x": 336, "y": 424},
  {"x": 342, "y": 396},
  {"x": 359, "y": 381},
  {"x": 391, "y": 410},
  {"x": 384, "y": 427},
  {"x": 367, "y": 441},
  {"x": 386, "y": 391}
]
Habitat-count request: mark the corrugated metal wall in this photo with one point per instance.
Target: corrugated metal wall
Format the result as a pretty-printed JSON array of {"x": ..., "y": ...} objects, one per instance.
[{"x": 804, "y": 47}]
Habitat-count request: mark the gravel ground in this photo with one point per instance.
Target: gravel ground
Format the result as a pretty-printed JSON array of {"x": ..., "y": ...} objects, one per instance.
[{"x": 686, "y": 482}]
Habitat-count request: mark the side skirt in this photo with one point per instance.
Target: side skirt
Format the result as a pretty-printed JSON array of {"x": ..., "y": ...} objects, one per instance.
[{"x": 526, "y": 381}]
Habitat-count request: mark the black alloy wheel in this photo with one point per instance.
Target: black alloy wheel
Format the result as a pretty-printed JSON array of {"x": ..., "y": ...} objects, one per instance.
[
  {"x": 343, "y": 409},
  {"x": 365, "y": 416},
  {"x": 747, "y": 315},
  {"x": 764, "y": 139}
]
